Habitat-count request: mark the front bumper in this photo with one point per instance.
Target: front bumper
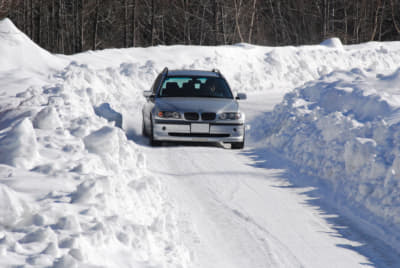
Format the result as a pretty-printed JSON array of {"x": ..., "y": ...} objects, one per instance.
[{"x": 176, "y": 130}]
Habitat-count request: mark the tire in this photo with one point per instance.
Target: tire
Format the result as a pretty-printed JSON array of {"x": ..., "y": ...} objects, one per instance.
[
  {"x": 144, "y": 132},
  {"x": 238, "y": 145},
  {"x": 152, "y": 141}
]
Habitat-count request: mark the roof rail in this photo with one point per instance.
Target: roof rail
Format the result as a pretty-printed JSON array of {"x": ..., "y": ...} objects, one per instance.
[
  {"x": 215, "y": 70},
  {"x": 165, "y": 71}
]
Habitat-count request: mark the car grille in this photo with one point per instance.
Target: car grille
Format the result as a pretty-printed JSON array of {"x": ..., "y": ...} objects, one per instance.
[
  {"x": 208, "y": 116},
  {"x": 191, "y": 116},
  {"x": 205, "y": 135}
]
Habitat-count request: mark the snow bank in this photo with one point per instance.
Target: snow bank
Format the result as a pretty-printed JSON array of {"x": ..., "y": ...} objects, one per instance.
[
  {"x": 74, "y": 191},
  {"x": 88, "y": 210},
  {"x": 333, "y": 43},
  {"x": 19, "y": 52},
  {"x": 345, "y": 128},
  {"x": 248, "y": 68}
]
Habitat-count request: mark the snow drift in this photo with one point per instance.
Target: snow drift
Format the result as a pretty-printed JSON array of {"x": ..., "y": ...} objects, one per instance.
[
  {"x": 16, "y": 52},
  {"x": 74, "y": 191},
  {"x": 345, "y": 128}
]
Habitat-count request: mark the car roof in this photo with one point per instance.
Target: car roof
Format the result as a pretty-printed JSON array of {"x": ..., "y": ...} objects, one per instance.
[{"x": 192, "y": 73}]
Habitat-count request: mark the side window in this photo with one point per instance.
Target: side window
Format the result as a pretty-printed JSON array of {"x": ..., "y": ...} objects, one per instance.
[{"x": 156, "y": 84}]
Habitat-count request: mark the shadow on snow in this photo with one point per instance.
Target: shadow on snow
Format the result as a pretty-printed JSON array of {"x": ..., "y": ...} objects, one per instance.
[{"x": 346, "y": 226}]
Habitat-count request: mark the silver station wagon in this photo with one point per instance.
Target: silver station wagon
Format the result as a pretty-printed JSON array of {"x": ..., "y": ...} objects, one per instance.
[{"x": 191, "y": 105}]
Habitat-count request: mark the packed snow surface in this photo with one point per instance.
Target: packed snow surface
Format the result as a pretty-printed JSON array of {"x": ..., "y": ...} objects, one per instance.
[{"x": 317, "y": 186}]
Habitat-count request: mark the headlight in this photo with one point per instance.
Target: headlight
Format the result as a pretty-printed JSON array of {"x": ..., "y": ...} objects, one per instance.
[
  {"x": 229, "y": 116},
  {"x": 168, "y": 114}
]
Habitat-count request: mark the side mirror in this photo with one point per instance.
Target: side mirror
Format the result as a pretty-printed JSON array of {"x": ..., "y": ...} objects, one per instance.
[
  {"x": 241, "y": 96},
  {"x": 147, "y": 93}
]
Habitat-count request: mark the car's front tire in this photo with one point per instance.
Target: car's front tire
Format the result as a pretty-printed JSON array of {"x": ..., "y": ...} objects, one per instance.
[
  {"x": 238, "y": 145},
  {"x": 152, "y": 141},
  {"x": 144, "y": 132}
]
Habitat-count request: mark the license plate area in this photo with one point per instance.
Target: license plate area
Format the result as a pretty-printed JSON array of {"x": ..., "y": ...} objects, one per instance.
[{"x": 199, "y": 128}]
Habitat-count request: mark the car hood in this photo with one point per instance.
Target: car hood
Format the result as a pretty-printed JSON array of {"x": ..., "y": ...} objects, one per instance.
[{"x": 197, "y": 105}]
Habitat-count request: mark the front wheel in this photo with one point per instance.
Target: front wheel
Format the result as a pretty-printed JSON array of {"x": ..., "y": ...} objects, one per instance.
[
  {"x": 144, "y": 132},
  {"x": 153, "y": 142},
  {"x": 238, "y": 145}
]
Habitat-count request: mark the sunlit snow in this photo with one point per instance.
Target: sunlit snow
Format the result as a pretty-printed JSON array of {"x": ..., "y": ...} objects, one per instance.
[{"x": 317, "y": 184}]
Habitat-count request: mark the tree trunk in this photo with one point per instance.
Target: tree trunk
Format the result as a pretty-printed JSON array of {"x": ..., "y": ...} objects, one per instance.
[
  {"x": 32, "y": 33},
  {"x": 237, "y": 15},
  {"x": 126, "y": 23},
  {"x": 375, "y": 28},
  {"x": 396, "y": 26},
  {"x": 134, "y": 7},
  {"x": 95, "y": 25},
  {"x": 39, "y": 23},
  {"x": 274, "y": 24},
  {"x": 346, "y": 24},
  {"x": 82, "y": 26},
  {"x": 215, "y": 13},
  {"x": 381, "y": 20},
  {"x": 223, "y": 24},
  {"x": 152, "y": 23},
  {"x": 202, "y": 26},
  {"x": 253, "y": 15}
]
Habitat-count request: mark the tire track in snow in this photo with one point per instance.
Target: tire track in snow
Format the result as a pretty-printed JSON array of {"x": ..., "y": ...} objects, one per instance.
[
  {"x": 195, "y": 184},
  {"x": 264, "y": 239}
]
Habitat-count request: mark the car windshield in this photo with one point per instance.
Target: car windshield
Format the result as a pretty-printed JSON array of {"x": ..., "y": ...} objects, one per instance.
[{"x": 203, "y": 87}]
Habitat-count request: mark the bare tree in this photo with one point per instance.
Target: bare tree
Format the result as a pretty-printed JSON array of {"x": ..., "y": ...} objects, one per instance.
[
  {"x": 253, "y": 15},
  {"x": 96, "y": 25},
  {"x": 75, "y": 25},
  {"x": 395, "y": 23}
]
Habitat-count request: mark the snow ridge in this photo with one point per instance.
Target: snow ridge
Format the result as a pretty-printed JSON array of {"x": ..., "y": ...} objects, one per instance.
[
  {"x": 19, "y": 52},
  {"x": 345, "y": 128},
  {"x": 74, "y": 191}
]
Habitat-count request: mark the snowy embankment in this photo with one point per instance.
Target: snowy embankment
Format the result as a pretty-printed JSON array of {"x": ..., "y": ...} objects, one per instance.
[
  {"x": 345, "y": 128},
  {"x": 74, "y": 191}
]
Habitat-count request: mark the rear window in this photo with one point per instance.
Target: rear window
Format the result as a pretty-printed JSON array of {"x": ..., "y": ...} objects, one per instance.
[{"x": 202, "y": 87}]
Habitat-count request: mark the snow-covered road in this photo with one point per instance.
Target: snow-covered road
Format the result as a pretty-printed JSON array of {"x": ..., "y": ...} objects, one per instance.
[
  {"x": 238, "y": 211},
  {"x": 79, "y": 187}
]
